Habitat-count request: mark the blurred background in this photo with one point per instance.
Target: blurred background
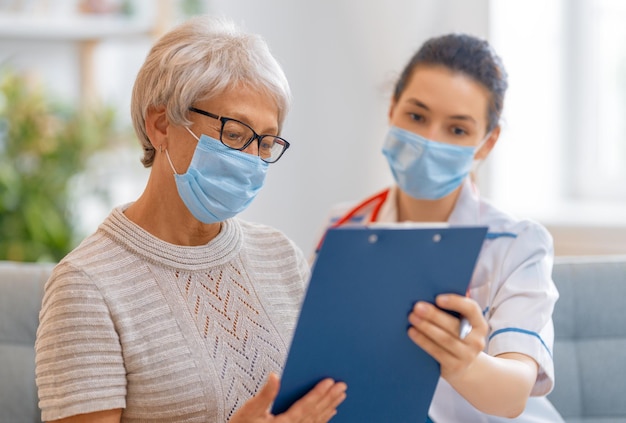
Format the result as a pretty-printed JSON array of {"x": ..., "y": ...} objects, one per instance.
[{"x": 68, "y": 153}]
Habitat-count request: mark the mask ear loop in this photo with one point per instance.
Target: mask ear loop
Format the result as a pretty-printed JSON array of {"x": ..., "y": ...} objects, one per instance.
[
  {"x": 170, "y": 160},
  {"x": 477, "y": 163},
  {"x": 192, "y": 134},
  {"x": 168, "y": 154}
]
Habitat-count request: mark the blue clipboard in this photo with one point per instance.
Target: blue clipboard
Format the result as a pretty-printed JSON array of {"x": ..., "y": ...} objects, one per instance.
[{"x": 353, "y": 322}]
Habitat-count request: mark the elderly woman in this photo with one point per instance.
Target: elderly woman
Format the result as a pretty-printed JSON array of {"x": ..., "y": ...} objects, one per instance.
[{"x": 175, "y": 310}]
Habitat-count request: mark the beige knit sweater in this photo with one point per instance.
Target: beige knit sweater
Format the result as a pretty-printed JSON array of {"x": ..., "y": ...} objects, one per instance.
[{"x": 168, "y": 333}]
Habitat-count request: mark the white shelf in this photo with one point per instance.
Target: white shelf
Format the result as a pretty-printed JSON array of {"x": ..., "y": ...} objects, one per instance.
[
  {"x": 86, "y": 32},
  {"x": 78, "y": 28}
]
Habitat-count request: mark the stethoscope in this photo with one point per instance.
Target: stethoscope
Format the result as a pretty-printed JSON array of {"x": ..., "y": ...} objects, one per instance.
[{"x": 375, "y": 202}]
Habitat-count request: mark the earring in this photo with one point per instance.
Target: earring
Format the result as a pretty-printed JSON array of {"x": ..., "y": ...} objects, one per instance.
[{"x": 161, "y": 148}]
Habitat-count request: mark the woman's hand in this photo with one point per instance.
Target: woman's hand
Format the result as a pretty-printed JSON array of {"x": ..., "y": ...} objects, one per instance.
[
  {"x": 437, "y": 333},
  {"x": 318, "y": 406},
  {"x": 497, "y": 385}
]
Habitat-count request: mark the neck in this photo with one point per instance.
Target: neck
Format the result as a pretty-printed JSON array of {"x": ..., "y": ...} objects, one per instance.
[
  {"x": 415, "y": 210},
  {"x": 162, "y": 213}
]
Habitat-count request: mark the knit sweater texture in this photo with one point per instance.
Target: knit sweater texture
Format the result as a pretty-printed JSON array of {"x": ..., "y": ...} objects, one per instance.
[{"x": 167, "y": 333}]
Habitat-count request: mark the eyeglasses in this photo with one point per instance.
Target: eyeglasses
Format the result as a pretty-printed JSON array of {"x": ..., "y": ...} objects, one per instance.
[{"x": 238, "y": 136}]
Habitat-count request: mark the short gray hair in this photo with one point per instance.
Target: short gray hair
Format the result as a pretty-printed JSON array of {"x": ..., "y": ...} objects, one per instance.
[{"x": 199, "y": 59}]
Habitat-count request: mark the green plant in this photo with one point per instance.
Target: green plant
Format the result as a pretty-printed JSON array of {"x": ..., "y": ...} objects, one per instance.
[{"x": 42, "y": 145}]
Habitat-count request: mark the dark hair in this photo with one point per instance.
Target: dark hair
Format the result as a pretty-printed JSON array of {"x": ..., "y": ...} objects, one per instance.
[{"x": 468, "y": 55}]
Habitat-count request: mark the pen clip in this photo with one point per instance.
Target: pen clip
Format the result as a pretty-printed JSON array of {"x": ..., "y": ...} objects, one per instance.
[{"x": 465, "y": 328}]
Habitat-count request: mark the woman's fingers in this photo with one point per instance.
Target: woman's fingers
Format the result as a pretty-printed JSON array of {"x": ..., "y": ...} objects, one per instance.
[
  {"x": 318, "y": 405},
  {"x": 465, "y": 306},
  {"x": 256, "y": 409},
  {"x": 438, "y": 333},
  {"x": 434, "y": 331},
  {"x": 267, "y": 394},
  {"x": 425, "y": 314}
]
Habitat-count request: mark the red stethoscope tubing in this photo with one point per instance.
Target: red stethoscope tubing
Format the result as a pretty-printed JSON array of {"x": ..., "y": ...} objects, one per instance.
[{"x": 377, "y": 200}]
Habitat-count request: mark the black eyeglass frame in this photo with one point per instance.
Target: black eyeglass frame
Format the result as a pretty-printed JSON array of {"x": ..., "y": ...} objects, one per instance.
[{"x": 254, "y": 137}]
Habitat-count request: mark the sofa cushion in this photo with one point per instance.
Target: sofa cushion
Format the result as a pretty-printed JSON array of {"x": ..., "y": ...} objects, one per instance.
[
  {"x": 589, "y": 351},
  {"x": 590, "y": 339},
  {"x": 21, "y": 291}
]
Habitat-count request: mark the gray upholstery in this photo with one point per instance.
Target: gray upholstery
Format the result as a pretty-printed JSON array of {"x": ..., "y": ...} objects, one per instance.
[
  {"x": 590, "y": 339},
  {"x": 21, "y": 290},
  {"x": 589, "y": 352}
]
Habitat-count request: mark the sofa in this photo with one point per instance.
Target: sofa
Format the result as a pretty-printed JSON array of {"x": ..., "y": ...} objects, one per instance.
[
  {"x": 21, "y": 290},
  {"x": 590, "y": 339},
  {"x": 589, "y": 351}
]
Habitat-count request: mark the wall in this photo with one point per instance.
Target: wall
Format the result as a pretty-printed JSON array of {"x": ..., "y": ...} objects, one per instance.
[{"x": 341, "y": 58}]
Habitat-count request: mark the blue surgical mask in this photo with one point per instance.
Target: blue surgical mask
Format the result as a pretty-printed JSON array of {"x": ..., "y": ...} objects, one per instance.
[
  {"x": 220, "y": 182},
  {"x": 426, "y": 169}
]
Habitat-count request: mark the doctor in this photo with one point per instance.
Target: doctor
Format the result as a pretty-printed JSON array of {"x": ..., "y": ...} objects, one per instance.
[{"x": 443, "y": 119}]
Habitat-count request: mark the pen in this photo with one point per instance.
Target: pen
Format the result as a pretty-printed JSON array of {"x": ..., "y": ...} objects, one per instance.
[{"x": 465, "y": 328}]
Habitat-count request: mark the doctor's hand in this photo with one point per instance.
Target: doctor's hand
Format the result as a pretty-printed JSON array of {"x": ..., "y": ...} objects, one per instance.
[
  {"x": 319, "y": 405},
  {"x": 437, "y": 333}
]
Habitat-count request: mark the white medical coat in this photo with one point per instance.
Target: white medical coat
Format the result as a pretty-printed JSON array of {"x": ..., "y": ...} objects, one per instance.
[{"x": 512, "y": 283}]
